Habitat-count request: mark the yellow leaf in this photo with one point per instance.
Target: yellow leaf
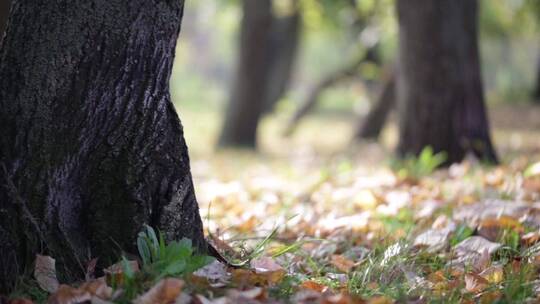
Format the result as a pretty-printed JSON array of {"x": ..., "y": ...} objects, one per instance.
[{"x": 493, "y": 274}]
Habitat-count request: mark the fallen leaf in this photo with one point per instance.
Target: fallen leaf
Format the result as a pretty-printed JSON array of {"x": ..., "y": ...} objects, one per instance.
[
  {"x": 434, "y": 240},
  {"x": 45, "y": 273},
  {"x": 531, "y": 238},
  {"x": 164, "y": 292},
  {"x": 215, "y": 273},
  {"x": 256, "y": 293},
  {"x": 477, "y": 244},
  {"x": 491, "y": 228},
  {"x": 268, "y": 269},
  {"x": 493, "y": 274},
  {"x": 115, "y": 273},
  {"x": 69, "y": 295},
  {"x": 96, "y": 291},
  {"x": 475, "y": 283},
  {"x": 342, "y": 263},
  {"x": 265, "y": 264},
  {"x": 311, "y": 285}
]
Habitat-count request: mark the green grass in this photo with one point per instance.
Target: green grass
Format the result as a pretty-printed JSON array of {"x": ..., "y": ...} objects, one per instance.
[{"x": 159, "y": 260}]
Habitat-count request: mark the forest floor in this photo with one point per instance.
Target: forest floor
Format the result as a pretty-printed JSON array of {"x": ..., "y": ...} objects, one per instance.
[{"x": 314, "y": 222}]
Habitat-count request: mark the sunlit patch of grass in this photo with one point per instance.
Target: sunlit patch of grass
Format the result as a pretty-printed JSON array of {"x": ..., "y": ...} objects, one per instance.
[
  {"x": 519, "y": 283},
  {"x": 399, "y": 225}
]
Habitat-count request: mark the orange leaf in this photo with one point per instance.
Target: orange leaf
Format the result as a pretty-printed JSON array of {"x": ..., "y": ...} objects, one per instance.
[
  {"x": 69, "y": 295},
  {"x": 164, "y": 292},
  {"x": 342, "y": 263},
  {"x": 314, "y": 286}
]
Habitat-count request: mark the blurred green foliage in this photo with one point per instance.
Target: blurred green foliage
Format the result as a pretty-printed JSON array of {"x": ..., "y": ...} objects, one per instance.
[{"x": 334, "y": 33}]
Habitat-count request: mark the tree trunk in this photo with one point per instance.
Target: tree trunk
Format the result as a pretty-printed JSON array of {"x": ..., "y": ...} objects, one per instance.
[
  {"x": 284, "y": 41},
  {"x": 537, "y": 84},
  {"x": 373, "y": 124},
  {"x": 246, "y": 104},
  {"x": 440, "y": 92},
  {"x": 91, "y": 147},
  {"x": 4, "y": 14}
]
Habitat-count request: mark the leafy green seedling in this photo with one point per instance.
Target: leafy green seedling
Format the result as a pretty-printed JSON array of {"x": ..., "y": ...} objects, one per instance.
[
  {"x": 416, "y": 167},
  {"x": 176, "y": 258}
]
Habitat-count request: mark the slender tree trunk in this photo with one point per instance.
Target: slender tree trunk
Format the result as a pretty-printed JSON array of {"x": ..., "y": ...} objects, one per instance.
[
  {"x": 373, "y": 124},
  {"x": 284, "y": 41},
  {"x": 4, "y": 14},
  {"x": 247, "y": 99},
  {"x": 537, "y": 84},
  {"x": 440, "y": 91},
  {"x": 91, "y": 147}
]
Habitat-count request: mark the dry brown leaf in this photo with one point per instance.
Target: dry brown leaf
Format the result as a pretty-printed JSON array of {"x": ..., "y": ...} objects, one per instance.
[
  {"x": 311, "y": 285},
  {"x": 97, "y": 289},
  {"x": 476, "y": 244},
  {"x": 245, "y": 296},
  {"x": 531, "y": 238},
  {"x": 268, "y": 269},
  {"x": 265, "y": 264},
  {"x": 245, "y": 277},
  {"x": 164, "y": 292},
  {"x": 494, "y": 178},
  {"x": 491, "y": 228},
  {"x": 475, "y": 283},
  {"x": 434, "y": 240},
  {"x": 45, "y": 273},
  {"x": 342, "y": 263},
  {"x": 115, "y": 273},
  {"x": 215, "y": 273},
  {"x": 69, "y": 295},
  {"x": 493, "y": 274}
]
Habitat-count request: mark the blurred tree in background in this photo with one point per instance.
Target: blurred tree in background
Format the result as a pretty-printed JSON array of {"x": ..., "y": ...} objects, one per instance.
[
  {"x": 269, "y": 39},
  {"x": 440, "y": 91}
]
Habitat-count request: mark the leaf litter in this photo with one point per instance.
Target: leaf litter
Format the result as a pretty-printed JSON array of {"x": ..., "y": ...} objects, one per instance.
[{"x": 338, "y": 232}]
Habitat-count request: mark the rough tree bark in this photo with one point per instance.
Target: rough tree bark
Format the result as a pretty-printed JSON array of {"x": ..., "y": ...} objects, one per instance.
[
  {"x": 372, "y": 125},
  {"x": 247, "y": 99},
  {"x": 440, "y": 93},
  {"x": 91, "y": 147},
  {"x": 4, "y": 14}
]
